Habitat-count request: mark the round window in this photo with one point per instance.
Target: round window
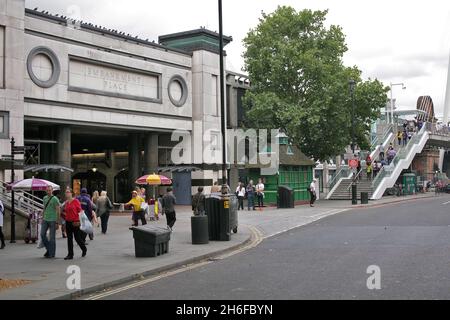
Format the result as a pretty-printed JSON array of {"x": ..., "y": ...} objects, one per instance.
[
  {"x": 178, "y": 91},
  {"x": 43, "y": 67}
]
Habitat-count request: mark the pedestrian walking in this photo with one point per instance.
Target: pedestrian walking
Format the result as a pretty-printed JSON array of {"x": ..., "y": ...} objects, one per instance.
[
  {"x": 376, "y": 168},
  {"x": 312, "y": 192},
  {"x": 405, "y": 138},
  {"x": 399, "y": 137},
  {"x": 136, "y": 204},
  {"x": 358, "y": 167},
  {"x": 240, "y": 193},
  {"x": 104, "y": 207},
  {"x": 168, "y": 203},
  {"x": 369, "y": 171},
  {"x": 87, "y": 206},
  {"x": 2, "y": 236},
  {"x": 260, "y": 193},
  {"x": 250, "y": 192},
  {"x": 215, "y": 188},
  {"x": 50, "y": 222},
  {"x": 381, "y": 152},
  {"x": 144, "y": 193},
  {"x": 73, "y": 209},
  {"x": 198, "y": 202},
  {"x": 95, "y": 196}
]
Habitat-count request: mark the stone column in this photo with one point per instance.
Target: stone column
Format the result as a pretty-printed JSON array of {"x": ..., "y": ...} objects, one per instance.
[
  {"x": 325, "y": 173},
  {"x": 64, "y": 155},
  {"x": 134, "y": 170},
  {"x": 45, "y": 151},
  {"x": 150, "y": 153},
  {"x": 151, "y": 158}
]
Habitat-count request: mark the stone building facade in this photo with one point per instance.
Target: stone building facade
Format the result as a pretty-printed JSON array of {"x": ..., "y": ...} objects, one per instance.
[{"x": 104, "y": 103}]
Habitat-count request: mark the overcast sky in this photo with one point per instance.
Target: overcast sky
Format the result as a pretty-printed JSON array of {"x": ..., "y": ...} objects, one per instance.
[{"x": 392, "y": 40}]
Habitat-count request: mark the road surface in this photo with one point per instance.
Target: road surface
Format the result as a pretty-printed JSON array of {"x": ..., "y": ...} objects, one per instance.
[{"x": 329, "y": 259}]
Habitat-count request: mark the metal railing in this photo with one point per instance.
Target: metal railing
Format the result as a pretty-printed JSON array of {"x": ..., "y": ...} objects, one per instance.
[
  {"x": 355, "y": 179},
  {"x": 344, "y": 172},
  {"x": 22, "y": 200},
  {"x": 440, "y": 130},
  {"x": 375, "y": 148},
  {"x": 387, "y": 170}
]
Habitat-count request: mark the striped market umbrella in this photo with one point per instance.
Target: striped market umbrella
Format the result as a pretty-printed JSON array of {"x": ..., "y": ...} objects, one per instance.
[
  {"x": 154, "y": 180},
  {"x": 33, "y": 184}
]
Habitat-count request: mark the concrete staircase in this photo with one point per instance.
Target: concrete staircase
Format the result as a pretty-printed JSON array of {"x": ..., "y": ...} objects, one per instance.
[
  {"x": 24, "y": 203},
  {"x": 344, "y": 190}
]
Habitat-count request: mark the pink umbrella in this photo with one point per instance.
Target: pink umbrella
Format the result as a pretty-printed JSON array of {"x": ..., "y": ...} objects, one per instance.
[
  {"x": 33, "y": 184},
  {"x": 154, "y": 180}
]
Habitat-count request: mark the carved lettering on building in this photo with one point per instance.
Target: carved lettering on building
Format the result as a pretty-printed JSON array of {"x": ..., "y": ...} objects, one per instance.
[{"x": 111, "y": 80}]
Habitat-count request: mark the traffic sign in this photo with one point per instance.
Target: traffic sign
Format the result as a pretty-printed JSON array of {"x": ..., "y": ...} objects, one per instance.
[{"x": 353, "y": 163}]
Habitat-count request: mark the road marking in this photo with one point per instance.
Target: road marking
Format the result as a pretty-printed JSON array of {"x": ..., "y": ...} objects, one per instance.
[
  {"x": 315, "y": 218},
  {"x": 257, "y": 238},
  {"x": 446, "y": 202}
]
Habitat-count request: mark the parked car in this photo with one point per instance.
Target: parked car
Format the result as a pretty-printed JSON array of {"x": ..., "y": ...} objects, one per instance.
[{"x": 447, "y": 189}]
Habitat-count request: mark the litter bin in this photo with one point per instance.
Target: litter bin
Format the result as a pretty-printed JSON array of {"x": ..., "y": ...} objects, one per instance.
[
  {"x": 199, "y": 229},
  {"x": 234, "y": 203},
  {"x": 285, "y": 197},
  {"x": 364, "y": 197},
  {"x": 217, "y": 209},
  {"x": 150, "y": 241}
]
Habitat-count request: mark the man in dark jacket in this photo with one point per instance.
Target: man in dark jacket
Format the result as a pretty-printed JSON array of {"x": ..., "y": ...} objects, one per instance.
[
  {"x": 198, "y": 202},
  {"x": 86, "y": 205},
  {"x": 168, "y": 204}
]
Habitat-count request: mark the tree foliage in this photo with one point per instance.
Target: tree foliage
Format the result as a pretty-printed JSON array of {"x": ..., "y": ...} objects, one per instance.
[{"x": 300, "y": 84}]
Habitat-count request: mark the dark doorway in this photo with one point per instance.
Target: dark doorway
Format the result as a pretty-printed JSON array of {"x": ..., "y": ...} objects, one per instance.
[
  {"x": 122, "y": 187},
  {"x": 92, "y": 181}
]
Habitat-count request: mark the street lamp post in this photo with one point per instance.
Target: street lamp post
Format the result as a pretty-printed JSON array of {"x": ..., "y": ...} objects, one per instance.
[
  {"x": 352, "y": 84},
  {"x": 222, "y": 102},
  {"x": 392, "y": 99}
]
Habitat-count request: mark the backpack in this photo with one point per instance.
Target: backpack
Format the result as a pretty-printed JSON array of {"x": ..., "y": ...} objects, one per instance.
[{"x": 86, "y": 205}]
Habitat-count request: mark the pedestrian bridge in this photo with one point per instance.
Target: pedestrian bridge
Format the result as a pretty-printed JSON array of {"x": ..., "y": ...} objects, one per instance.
[{"x": 430, "y": 135}]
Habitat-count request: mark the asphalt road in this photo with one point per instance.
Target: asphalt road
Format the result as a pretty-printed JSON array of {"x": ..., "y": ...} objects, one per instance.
[{"x": 409, "y": 242}]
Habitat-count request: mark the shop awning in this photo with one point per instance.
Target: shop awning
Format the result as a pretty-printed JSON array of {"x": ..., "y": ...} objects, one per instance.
[
  {"x": 47, "y": 168},
  {"x": 178, "y": 169}
]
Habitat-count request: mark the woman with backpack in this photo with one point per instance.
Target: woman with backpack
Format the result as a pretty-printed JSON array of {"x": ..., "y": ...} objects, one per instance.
[{"x": 104, "y": 207}]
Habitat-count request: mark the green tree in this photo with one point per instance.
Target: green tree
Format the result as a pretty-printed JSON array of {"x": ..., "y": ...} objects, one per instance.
[{"x": 300, "y": 84}]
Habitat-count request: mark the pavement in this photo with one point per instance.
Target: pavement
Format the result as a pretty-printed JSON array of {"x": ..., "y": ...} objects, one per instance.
[
  {"x": 405, "y": 245},
  {"x": 111, "y": 261}
]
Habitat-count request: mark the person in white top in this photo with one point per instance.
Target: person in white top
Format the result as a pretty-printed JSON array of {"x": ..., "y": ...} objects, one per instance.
[
  {"x": 240, "y": 192},
  {"x": 260, "y": 193},
  {"x": 312, "y": 192},
  {"x": 2, "y": 237}
]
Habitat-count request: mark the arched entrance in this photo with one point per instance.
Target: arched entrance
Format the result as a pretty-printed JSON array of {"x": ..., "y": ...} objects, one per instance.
[
  {"x": 92, "y": 181},
  {"x": 122, "y": 188}
]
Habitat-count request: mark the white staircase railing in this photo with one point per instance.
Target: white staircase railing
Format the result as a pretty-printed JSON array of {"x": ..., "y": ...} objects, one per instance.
[
  {"x": 23, "y": 201},
  {"x": 389, "y": 174},
  {"x": 388, "y": 137},
  {"x": 344, "y": 173}
]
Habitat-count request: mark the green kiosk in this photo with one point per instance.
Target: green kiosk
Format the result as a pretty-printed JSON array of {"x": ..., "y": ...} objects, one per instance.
[{"x": 409, "y": 183}]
